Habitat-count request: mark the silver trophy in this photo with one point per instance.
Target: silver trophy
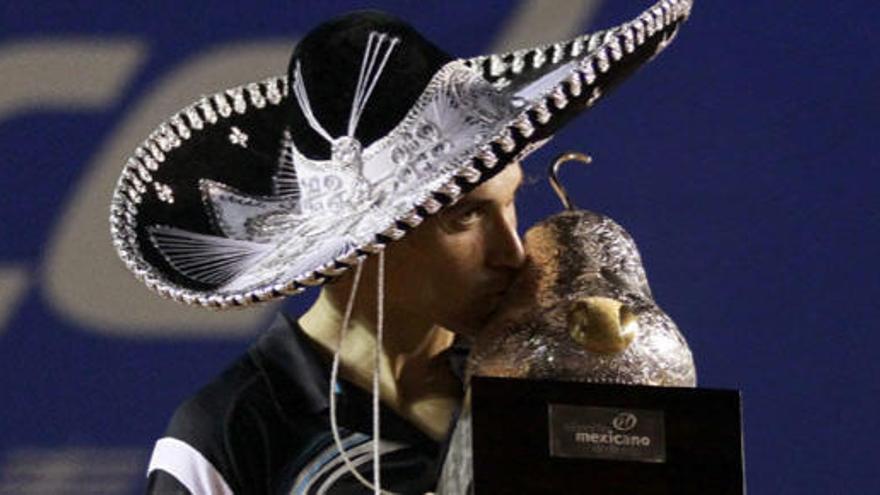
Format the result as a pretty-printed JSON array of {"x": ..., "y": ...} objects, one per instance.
[{"x": 581, "y": 310}]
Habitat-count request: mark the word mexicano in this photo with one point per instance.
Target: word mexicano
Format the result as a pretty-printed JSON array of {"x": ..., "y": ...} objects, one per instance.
[{"x": 611, "y": 438}]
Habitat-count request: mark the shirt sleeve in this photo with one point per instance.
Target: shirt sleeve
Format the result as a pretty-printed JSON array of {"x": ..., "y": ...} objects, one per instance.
[
  {"x": 161, "y": 483},
  {"x": 178, "y": 467}
]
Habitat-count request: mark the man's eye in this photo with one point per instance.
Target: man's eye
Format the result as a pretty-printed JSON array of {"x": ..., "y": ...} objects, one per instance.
[{"x": 469, "y": 217}]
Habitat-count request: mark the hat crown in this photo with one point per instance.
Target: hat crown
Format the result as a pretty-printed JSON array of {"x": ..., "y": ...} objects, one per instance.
[{"x": 330, "y": 62}]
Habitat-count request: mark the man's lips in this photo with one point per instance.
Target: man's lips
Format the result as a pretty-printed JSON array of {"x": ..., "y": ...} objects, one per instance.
[
  {"x": 496, "y": 295},
  {"x": 499, "y": 286},
  {"x": 495, "y": 298}
]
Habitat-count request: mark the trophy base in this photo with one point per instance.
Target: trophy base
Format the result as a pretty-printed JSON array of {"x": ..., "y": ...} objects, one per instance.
[{"x": 543, "y": 437}]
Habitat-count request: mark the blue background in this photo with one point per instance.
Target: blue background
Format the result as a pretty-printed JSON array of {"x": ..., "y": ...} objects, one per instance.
[{"x": 743, "y": 161}]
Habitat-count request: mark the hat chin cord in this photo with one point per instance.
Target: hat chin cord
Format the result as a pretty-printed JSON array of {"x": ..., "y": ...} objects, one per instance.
[{"x": 376, "y": 485}]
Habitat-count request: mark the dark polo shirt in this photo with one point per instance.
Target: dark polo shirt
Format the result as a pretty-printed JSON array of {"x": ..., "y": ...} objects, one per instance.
[{"x": 263, "y": 427}]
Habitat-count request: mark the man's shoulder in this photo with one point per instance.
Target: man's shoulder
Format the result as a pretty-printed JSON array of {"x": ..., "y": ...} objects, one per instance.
[
  {"x": 278, "y": 379},
  {"x": 198, "y": 448},
  {"x": 217, "y": 405},
  {"x": 242, "y": 427}
]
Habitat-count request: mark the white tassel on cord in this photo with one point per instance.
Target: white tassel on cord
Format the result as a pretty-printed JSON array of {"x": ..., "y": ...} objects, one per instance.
[
  {"x": 302, "y": 97},
  {"x": 367, "y": 79}
]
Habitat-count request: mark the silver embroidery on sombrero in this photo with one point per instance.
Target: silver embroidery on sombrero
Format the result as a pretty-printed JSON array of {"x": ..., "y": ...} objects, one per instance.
[
  {"x": 323, "y": 209},
  {"x": 206, "y": 258},
  {"x": 313, "y": 217}
]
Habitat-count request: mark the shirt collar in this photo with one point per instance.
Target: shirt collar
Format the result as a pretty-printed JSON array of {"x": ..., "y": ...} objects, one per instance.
[
  {"x": 298, "y": 369},
  {"x": 293, "y": 365}
]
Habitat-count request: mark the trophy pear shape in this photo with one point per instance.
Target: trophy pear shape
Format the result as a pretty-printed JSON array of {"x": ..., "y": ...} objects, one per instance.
[{"x": 581, "y": 309}]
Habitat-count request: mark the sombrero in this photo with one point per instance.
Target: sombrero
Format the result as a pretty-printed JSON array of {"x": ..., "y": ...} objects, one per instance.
[{"x": 262, "y": 190}]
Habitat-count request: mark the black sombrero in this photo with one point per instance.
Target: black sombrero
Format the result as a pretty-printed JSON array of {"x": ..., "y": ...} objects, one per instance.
[{"x": 262, "y": 190}]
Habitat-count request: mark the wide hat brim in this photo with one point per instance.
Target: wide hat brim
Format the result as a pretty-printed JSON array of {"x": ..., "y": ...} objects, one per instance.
[{"x": 272, "y": 221}]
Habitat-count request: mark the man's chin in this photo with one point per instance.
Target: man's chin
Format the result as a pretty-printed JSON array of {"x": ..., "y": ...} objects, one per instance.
[
  {"x": 459, "y": 328},
  {"x": 474, "y": 323}
]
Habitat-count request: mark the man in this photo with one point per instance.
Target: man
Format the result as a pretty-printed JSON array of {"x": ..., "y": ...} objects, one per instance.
[
  {"x": 451, "y": 271},
  {"x": 377, "y": 146}
]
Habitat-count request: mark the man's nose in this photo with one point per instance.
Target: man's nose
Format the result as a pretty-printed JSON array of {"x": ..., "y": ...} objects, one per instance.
[{"x": 506, "y": 247}]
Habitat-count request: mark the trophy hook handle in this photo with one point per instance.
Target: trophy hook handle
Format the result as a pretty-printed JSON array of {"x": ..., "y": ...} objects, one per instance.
[{"x": 554, "y": 174}]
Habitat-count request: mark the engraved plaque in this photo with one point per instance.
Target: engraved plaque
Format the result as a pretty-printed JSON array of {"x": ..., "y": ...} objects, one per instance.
[{"x": 546, "y": 437}]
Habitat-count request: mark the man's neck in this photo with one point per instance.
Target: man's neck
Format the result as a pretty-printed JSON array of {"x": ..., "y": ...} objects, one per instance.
[{"x": 415, "y": 380}]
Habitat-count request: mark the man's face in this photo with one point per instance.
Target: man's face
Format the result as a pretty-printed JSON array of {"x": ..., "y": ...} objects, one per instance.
[{"x": 456, "y": 266}]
